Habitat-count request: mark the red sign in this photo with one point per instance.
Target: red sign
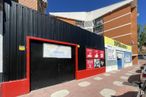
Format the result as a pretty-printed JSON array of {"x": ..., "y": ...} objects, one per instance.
[
  {"x": 96, "y": 53},
  {"x": 89, "y": 63},
  {"x": 101, "y": 54},
  {"x": 89, "y": 53}
]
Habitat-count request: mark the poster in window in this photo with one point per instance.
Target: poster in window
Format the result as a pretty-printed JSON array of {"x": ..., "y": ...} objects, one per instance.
[
  {"x": 97, "y": 63},
  {"x": 96, "y": 53},
  {"x": 89, "y": 53},
  {"x": 89, "y": 63}
]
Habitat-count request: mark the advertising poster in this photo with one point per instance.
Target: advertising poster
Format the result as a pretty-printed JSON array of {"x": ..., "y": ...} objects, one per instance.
[
  {"x": 97, "y": 63},
  {"x": 89, "y": 63},
  {"x": 111, "y": 53},
  {"x": 101, "y": 54},
  {"x": 96, "y": 53},
  {"x": 89, "y": 53},
  {"x": 127, "y": 57},
  {"x": 102, "y": 64}
]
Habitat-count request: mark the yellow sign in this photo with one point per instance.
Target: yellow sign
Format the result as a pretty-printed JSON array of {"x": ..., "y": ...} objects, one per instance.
[
  {"x": 111, "y": 42},
  {"x": 21, "y": 48}
]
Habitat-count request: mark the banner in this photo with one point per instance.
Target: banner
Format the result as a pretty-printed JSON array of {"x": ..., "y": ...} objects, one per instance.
[{"x": 56, "y": 51}]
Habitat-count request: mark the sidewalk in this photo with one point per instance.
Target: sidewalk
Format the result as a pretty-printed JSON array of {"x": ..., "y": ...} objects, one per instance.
[{"x": 112, "y": 84}]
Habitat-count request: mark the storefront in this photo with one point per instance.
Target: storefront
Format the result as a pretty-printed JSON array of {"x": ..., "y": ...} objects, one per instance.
[
  {"x": 117, "y": 55},
  {"x": 39, "y": 51}
]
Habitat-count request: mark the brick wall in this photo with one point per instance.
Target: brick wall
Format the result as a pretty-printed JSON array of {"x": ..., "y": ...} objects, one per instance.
[{"x": 29, "y": 3}]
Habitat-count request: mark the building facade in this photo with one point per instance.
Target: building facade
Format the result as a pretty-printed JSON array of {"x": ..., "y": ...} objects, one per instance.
[
  {"x": 117, "y": 21},
  {"x": 39, "y": 5}
]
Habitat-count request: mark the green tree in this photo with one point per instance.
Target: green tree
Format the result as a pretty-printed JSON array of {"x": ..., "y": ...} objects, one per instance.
[{"x": 141, "y": 37}]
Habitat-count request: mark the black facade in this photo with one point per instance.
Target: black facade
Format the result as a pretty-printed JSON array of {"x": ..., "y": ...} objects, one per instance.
[{"x": 20, "y": 22}]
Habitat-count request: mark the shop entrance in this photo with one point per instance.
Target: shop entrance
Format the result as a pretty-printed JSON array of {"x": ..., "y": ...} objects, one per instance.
[
  {"x": 46, "y": 71},
  {"x": 119, "y": 61}
]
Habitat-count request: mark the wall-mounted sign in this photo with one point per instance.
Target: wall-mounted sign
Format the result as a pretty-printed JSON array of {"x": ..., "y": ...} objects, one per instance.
[
  {"x": 118, "y": 45},
  {"x": 89, "y": 63},
  {"x": 96, "y": 53},
  {"x": 89, "y": 53},
  {"x": 21, "y": 48},
  {"x": 56, "y": 51}
]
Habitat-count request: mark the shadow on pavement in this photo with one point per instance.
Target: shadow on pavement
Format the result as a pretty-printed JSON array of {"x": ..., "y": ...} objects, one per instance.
[
  {"x": 132, "y": 79},
  {"x": 128, "y": 94}
]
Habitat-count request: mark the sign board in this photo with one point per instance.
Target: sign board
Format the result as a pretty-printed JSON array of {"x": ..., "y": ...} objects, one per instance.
[
  {"x": 89, "y": 63},
  {"x": 21, "y": 48},
  {"x": 56, "y": 51},
  {"x": 118, "y": 45},
  {"x": 89, "y": 53}
]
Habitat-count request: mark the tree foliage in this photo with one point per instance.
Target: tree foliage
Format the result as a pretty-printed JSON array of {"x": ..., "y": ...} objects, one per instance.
[{"x": 141, "y": 36}]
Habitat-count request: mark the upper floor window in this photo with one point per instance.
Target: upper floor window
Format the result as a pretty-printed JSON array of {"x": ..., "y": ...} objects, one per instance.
[
  {"x": 98, "y": 25},
  {"x": 80, "y": 23}
]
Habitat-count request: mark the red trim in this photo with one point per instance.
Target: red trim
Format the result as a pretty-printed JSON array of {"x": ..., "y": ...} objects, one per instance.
[
  {"x": 29, "y": 38},
  {"x": 14, "y": 88},
  {"x": 89, "y": 72}
]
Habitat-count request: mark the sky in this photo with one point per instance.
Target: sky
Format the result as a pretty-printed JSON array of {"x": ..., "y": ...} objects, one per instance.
[{"x": 88, "y": 5}]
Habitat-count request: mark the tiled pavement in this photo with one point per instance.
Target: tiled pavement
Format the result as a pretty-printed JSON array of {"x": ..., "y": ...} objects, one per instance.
[{"x": 111, "y": 84}]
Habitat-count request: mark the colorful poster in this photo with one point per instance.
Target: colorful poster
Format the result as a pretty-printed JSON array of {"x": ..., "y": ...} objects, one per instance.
[
  {"x": 89, "y": 53},
  {"x": 89, "y": 63},
  {"x": 101, "y": 54},
  {"x": 127, "y": 57},
  {"x": 102, "y": 64},
  {"x": 97, "y": 63},
  {"x": 111, "y": 53},
  {"x": 96, "y": 53}
]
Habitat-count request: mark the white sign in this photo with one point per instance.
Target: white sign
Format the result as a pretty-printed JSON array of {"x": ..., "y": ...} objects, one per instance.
[
  {"x": 56, "y": 51},
  {"x": 111, "y": 53}
]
